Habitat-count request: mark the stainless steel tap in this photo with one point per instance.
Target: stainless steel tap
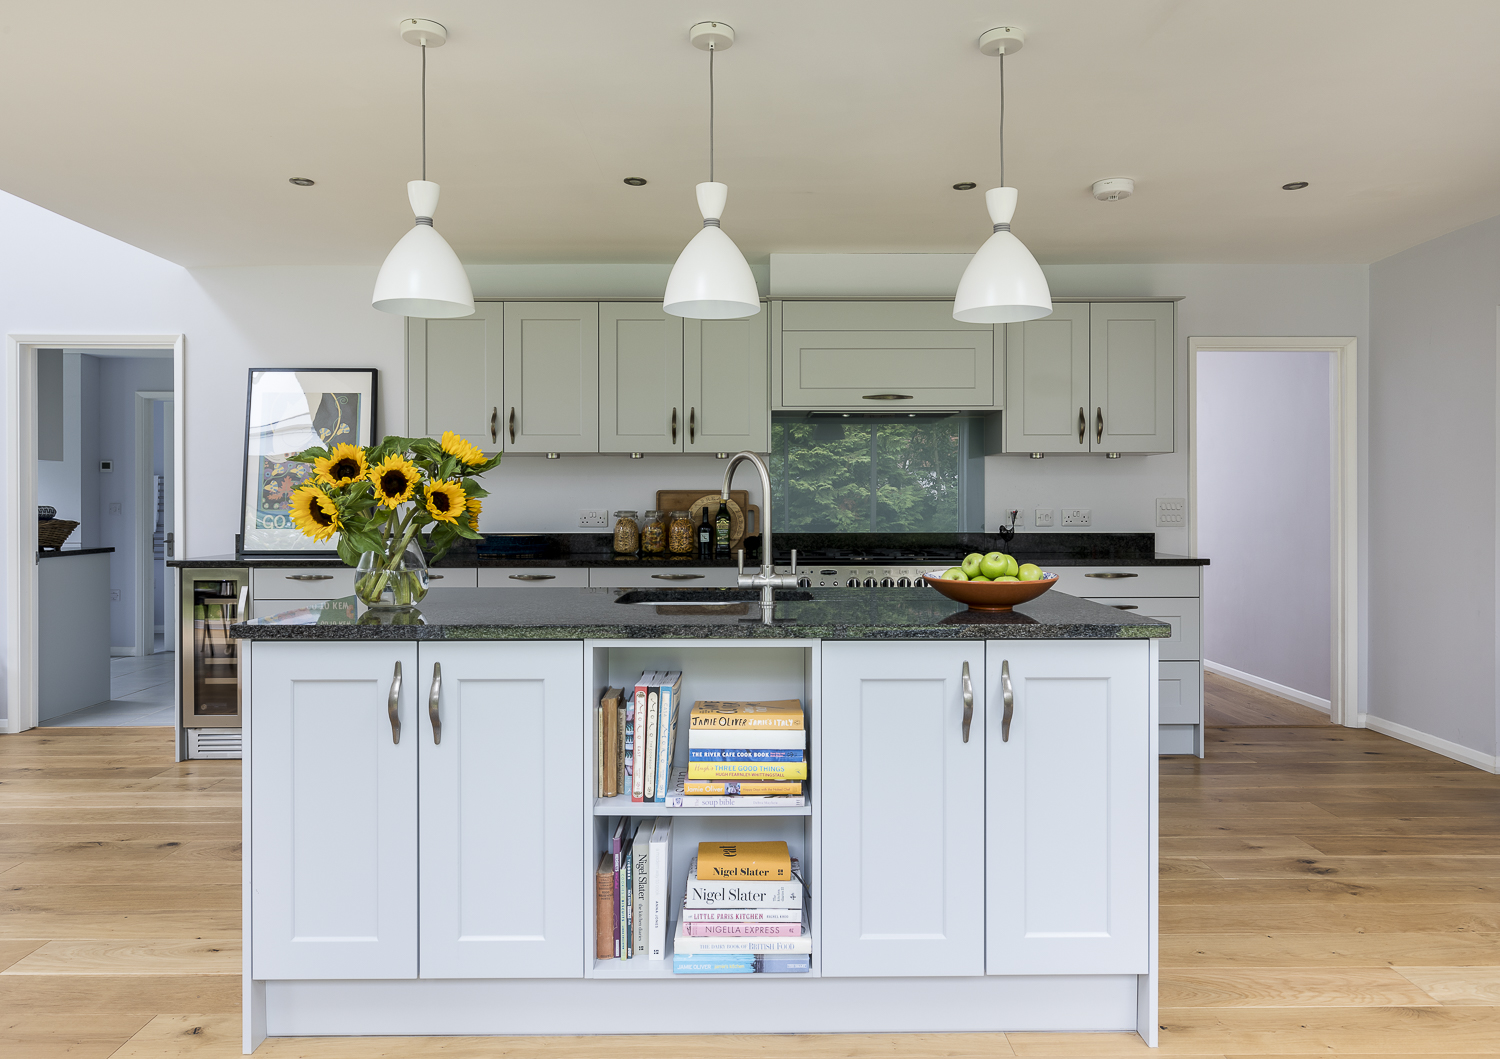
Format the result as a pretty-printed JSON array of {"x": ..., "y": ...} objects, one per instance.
[{"x": 768, "y": 580}]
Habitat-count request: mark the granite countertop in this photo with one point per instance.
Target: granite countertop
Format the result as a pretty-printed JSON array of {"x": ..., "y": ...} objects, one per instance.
[
  {"x": 43, "y": 553},
  {"x": 592, "y": 613}
]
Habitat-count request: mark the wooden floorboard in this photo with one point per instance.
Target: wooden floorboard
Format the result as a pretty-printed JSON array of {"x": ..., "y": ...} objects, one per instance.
[
  {"x": 1325, "y": 891},
  {"x": 1229, "y": 703}
]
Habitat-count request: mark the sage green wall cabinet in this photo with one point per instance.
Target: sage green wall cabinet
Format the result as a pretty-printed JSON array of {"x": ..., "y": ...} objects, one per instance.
[
  {"x": 551, "y": 377},
  {"x": 1091, "y": 378},
  {"x": 640, "y": 379},
  {"x": 455, "y": 377},
  {"x": 725, "y": 385},
  {"x": 883, "y": 357}
]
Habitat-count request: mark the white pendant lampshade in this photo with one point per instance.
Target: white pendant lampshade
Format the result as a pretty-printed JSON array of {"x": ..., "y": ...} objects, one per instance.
[
  {"x": 422, "y": 276},
  {"x": 711, "y": 280},
  {"x": 1003, "y": 283}
]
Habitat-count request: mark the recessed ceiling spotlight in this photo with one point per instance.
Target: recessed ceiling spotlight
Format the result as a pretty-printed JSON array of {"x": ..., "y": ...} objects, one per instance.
[
  {"x": 636, "y": 181},
  {"x": 301, "y": 181},
  {"x": 1113, "y": 189},
  {"x": 1295, "y": 185},
  {"x": 965, "y": 185}
]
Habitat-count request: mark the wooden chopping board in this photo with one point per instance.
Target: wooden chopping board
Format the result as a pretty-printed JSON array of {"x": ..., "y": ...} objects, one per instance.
[{"x": 740, "y": 509}]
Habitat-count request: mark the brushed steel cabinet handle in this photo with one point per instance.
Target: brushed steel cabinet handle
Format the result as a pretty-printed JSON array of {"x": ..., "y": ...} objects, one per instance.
[
  {"x": 677, "y": 577},
  {"x": 532, "y": 577},
  {"x": 1008, "y": 697},
  {"x": 1112, "y": 575},
  {"x": 393, "y": 703},
  {"x": 968, "y": 702},
  {"x": 432, "y": 703},
  {"x": 674, "y": 426},
  {"x": 1083, "y": 425},
  {"x": 888, "y": 397},
  {"x": 1125, "y": 606},
  {"x": 692, "y": 424},
  {"x": 309, "y": 577},
  {"x": 512, "y": 424},
  {"x": 1099, "y": 424},
  {"x": 494, "y": 423},
  {"x": 434, "y": 577}
]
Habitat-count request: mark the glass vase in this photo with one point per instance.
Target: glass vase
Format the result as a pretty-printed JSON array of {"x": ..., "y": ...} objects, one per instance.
[{"x": 377, "y": 583}]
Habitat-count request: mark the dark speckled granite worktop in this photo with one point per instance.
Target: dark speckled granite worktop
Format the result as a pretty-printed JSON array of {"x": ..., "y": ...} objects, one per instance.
[{"x": 592, "y": 613}]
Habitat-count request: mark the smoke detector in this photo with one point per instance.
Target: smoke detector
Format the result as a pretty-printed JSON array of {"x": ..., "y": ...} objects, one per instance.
[{"x": 1113, "y": 189}]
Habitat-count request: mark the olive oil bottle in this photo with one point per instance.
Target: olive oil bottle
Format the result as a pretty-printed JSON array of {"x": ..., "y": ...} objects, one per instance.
[{"x": 721, "y": 530}]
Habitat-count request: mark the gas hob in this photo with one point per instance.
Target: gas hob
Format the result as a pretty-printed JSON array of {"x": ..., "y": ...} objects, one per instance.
[{"x": 872, "y": 569}]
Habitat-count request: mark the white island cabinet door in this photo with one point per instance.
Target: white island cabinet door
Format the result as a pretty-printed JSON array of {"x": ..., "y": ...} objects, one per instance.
[
  {"x": 902, "y": 878},
  {"x": 501, "y": 794},
  {"x": 334, "y": 872},
  {"x": 1068, "y": 813}
]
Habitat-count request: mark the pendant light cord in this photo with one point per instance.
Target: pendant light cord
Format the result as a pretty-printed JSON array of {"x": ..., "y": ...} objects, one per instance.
[
  {"x": 424, "y": 113},
  {"x": 1002, "y": 118},
  {"x": 711, "y": 113}
]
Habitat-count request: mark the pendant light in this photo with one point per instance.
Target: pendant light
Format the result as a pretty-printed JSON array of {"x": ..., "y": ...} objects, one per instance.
[
  {"x": 1003, "y": 283},
  {"x": 711, "y": 280},
  {"x": 422, "y": 276}
]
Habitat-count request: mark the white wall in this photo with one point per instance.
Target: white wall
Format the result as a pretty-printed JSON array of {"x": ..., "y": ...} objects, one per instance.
[
  {"x": 1265, "y": 515},
  {"x": 1433, "y": 487}
]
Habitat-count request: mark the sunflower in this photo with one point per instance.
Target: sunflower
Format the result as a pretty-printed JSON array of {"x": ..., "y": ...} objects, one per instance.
[
  {"x": 446, "y": 501},
  {"x": 314, "y": 513},
  {"x": 466, "y": 452},
  {"x": 344, "y": 465},
  {"x": 395, "y": 478},
  {"x": 474, "y": 505}
]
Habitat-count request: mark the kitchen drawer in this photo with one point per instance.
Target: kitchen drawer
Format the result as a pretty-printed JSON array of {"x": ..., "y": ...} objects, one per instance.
[
  {"x": 1181, "y": 685},
  {"x": 1186, "y": 642},
  {"x": 453, "y": 577},
  {"x": 657, "y": 577},
  {"x": 1091, "y": 581},
  {"x": 535, "y": 577},
  {"x": 290, "y": 582}
]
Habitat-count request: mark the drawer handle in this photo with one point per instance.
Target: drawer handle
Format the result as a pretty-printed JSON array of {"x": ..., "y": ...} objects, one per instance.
[
  {"x": 532, "y": 577},
  {"x": 968, "y": 702},
  {"x": 393, "y": 702},
  {"x": 1124, "y": 606},
  {"x": 888, "y": 397},
  {"x": 432, "y": 703},
  {"x": 1112, "y": 575},
  {"x": 1008, "y": 697},
  {"x": 677, "y": 577},
  {"x": 309, "y": 577},
  {"x": 434, "y": 577}
]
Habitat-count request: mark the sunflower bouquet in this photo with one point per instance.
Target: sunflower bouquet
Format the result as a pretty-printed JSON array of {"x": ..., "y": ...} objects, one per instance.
[{"x": 377, "y": 501}]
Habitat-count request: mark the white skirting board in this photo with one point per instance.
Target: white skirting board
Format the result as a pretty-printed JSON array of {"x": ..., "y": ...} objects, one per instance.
[
  {"x": 1302, "y": 698},
  {"x": 701, "y": 1004},
  {"x": 1456, "y": 751}
]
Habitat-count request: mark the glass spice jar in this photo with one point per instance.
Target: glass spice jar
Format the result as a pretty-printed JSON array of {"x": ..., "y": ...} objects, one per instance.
[
  {"x": 682, "y": 537},
  {"x": 627, "y": 533},
  {"x": 653, "y": 534}
]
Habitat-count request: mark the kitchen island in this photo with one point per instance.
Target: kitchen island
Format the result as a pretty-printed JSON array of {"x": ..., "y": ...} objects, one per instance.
[{"x": 422, "y": 821}]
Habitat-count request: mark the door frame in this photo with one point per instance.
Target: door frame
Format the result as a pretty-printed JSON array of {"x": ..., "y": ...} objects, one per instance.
[
  {"x": 19, "y": 434},
  {"x": 145, "y": 522},
  {"x": 1347, "y": 684}
]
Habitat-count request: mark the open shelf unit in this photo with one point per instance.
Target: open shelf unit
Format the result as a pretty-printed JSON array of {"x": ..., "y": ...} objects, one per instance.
[{"x": 711, "y": 669}]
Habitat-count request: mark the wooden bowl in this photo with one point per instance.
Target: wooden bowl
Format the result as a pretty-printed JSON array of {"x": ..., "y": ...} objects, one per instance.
[{"x": 990, "y": 595}]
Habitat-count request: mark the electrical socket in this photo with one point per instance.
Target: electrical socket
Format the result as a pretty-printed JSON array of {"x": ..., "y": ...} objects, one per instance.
[
  {"x": 594, "y": 518},
  {"x": 1171, "y": 511},
  {"x": 1042, "y": 517},
  {"x": 1075, "y": 516}
]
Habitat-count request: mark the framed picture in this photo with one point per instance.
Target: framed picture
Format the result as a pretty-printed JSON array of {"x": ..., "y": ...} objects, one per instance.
[{"x": 287, "y": 411}]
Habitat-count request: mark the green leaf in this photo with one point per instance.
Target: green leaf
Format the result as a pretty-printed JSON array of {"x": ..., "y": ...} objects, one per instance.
[
  {"x": 347, "y": 552},
  {"x": 463, "y": 530}
]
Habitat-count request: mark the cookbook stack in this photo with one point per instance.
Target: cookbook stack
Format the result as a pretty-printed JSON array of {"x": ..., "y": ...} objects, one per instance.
[
  {"x": 743, "y": 754},
  {"x": 742, "y": 912}
]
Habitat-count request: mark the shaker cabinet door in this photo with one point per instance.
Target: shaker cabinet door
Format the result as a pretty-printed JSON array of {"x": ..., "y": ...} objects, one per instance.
[
  {"x": 551, "y": 377},
  {"x": 903, "y": 809},
  {"x": 1131, "y": 377},
  {"x": 640, "y": 379},
  {"x": 1068, "y": 817},
  {"x": 1047, "y": 382},
  {"x": 334, "y": 834},
  {"x": 455, "y": 377},
  {"x": 501, "y": 796},
  {"x": 726, "y": 386}
]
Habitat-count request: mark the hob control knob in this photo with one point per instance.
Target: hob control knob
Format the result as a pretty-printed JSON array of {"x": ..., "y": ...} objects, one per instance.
[
  {"x": 903, "y": 582},
  {"x": 869, "y": 582},
  {"x": 886, "y": 582},
  {"x": 804, "y": 582},
  {"x": 853, "y": 582}
]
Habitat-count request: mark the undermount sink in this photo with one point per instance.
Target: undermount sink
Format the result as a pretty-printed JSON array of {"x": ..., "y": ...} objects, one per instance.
[{"x": 705, "y": 597}]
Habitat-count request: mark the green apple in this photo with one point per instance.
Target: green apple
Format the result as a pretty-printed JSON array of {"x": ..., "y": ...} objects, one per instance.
[
  {"x": 971, "y": 564},
  {"x": 954, "y": 574},
  {"x": 1029, "y": 572},
  {"x": 1007, "y": 577},
  {"x": 980, "y": 577},
  {"x": 994, "y": 565},
  {"x": 1010, "y": 561}
]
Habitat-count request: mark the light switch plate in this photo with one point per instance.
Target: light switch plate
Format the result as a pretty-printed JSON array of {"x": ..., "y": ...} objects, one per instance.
[
  {"x": 1075, "y": 516},
  {"x": 1042, "y": 517},
  {"x": 1171, "y": 511},
  {"x": 116, "y": 507}
]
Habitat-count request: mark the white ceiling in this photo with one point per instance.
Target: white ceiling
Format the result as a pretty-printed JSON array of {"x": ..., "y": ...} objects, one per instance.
[{"x": 174, "y": 125}]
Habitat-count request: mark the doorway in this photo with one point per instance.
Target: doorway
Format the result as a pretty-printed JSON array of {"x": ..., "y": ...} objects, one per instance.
[{"x": 99, "y": 438}]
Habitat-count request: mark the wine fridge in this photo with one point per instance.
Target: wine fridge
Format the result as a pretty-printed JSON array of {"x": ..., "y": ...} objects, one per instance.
[{"x": 212, "y": 601}]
